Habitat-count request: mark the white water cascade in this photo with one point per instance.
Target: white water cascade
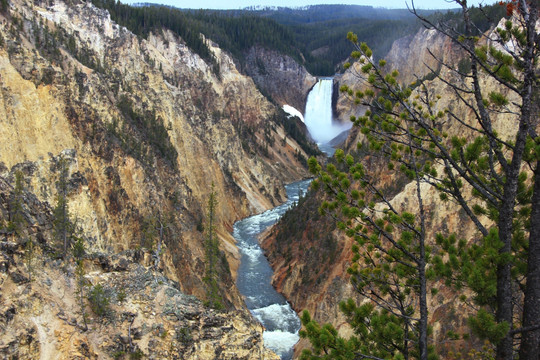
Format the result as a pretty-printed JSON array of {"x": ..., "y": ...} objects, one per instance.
[
  {"x": 318, "y": 117},
  {"x": 255, "y": 274}
]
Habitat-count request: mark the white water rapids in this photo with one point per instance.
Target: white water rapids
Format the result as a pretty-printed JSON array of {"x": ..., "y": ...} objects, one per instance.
[{"x": 254, "y": 278}]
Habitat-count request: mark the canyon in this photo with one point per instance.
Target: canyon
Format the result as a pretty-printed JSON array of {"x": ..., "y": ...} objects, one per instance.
[
  {"x": 145, "y": 129},
  {"x": 146, "y": 141}
]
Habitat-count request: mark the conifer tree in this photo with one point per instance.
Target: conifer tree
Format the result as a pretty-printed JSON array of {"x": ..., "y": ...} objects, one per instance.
[
  {"x": 16, "y": 214},
  {"x": 211, "y": 245},
  {"x": 78, "y": 254},
  {"x": 18, "y": 221},
  {"x": 62, "y": 224},
  {"x": 499, "y": 171},
  {"x": 29, "y": 255},
  {"x": 154, "y": 231}
]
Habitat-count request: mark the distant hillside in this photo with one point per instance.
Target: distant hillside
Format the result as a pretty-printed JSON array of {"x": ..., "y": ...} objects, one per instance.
[
  {"x": 315, "y": 36},
  {"x": 323, "y": 13},
  {"x": 321, "y": 29}
]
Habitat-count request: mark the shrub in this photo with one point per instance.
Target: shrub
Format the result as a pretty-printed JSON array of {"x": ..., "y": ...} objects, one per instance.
[
  {"x": 121, "y": 296},
  {"x": 183, "y": 336},
  {"x": 99, "y": 300},
  {"x": 137, "y": 354}
]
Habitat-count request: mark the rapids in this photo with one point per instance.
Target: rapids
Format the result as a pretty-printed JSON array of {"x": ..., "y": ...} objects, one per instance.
[{"x": 254, "y": 278}]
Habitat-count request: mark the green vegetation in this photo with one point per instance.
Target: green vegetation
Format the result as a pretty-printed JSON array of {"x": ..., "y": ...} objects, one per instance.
[
  {"x": 237, "y": 34},
  {"x": 396, "y": 263},
  {"x": 327, "y": 12},
  {"x": 320, "y": 249},
  {"x": 151, "y": 128},
  {"x": 148, "y": 127},
  {"x": 293, "y": 130},
  {"x": 137, "y": 354},
  {"x": 237, "y": 31},
  {"x": 211, "y": 246},
  {"x": 149, "y": 232},
  {"x": 482, "y": 19},
  {"x": 327, "y": 46},
  {"x": 4, "y": 6},
  {"x": 121, "y": 295},
  {"x": 78, "y": 254},
  {"x": 29, "y": 258},
  {"x": 16, "y": 215},
  {"x": 183, "y": 336},
  {"x": 234, "y": 33},
  {"x": 49, "y": 43},
  {"x": 315, "y": 36},
  {"x": 99, "y": 300},
  {"x": 63, "y": 227},
  {"x": 142, "y": 20}
]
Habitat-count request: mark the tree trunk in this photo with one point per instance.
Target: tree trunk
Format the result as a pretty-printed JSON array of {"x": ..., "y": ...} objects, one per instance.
[
  {"x": 64, "y": 226},
  {"x": 423, "y": 323},
  {"x": 506, "y": 214},
  {"x": 530, "y": 340},
  {"x": 505, "y": 224}
]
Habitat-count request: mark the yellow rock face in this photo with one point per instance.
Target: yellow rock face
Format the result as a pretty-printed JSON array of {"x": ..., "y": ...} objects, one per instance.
[
  {"x": 57, "y": 104},
  {"x": 74, "y": 112},
  {"x": 33, "y": 121}
]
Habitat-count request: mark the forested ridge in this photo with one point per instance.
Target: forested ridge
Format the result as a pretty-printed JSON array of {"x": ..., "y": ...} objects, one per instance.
[
  {"x": 314, "y": 36},
  {"x": 233, "y": 33},
  {"x": 322, "y": 29}
]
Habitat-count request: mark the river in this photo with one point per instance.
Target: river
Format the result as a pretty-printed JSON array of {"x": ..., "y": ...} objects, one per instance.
[
  {"x": 254, "y": 278},
  {"x": 255, "y": 274}
]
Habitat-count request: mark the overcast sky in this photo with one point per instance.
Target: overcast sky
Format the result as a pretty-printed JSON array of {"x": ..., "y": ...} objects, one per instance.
[{"x": 239, "y": 4}]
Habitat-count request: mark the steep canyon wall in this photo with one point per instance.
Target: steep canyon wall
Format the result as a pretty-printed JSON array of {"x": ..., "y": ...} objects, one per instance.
[{"x": 145, "y": 128}]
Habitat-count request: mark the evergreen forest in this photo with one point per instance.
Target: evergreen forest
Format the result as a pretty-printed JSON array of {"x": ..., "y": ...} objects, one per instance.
[{"x": 314, "y": 36}]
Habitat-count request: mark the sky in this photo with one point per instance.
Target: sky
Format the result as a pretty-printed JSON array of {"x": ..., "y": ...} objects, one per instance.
[{"x": 240, "y": 4}]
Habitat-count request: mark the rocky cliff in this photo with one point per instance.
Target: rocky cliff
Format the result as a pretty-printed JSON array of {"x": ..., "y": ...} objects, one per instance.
[
  {"x": 428, "y": 48},
  {"x": 142, "y": 128},
  {"x": 132, "y": 311},
  {"x": 416, "y": 56},
  {"x": 279, "y": 76}
]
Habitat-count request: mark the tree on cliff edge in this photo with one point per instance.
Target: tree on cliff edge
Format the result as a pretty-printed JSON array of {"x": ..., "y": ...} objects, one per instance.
[
  {"x": 494, "y": 178},
  {"x": 211, "y": 245},
  {"x": 63, "y": 227}
]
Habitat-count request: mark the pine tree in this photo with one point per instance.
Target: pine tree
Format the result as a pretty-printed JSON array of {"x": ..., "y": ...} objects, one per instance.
[
  {"x": 78, "y": 254},
  {"x": 4, "y": 6},
  {"x": 153, "y": 230},
  {"x": 18, "y": 221},
  {"x": 389, "y": 266},
  {"x": 503, "y": 265},
  {"x": 211, "y": 245},
  {"x": 29, "y": 256},
  {"x": 62, "y": 225},
  {"x": 16, "y": 213}
]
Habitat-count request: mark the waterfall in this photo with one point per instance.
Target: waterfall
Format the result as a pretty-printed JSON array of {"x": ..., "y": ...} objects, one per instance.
[{"x": 318, "y": 117}]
